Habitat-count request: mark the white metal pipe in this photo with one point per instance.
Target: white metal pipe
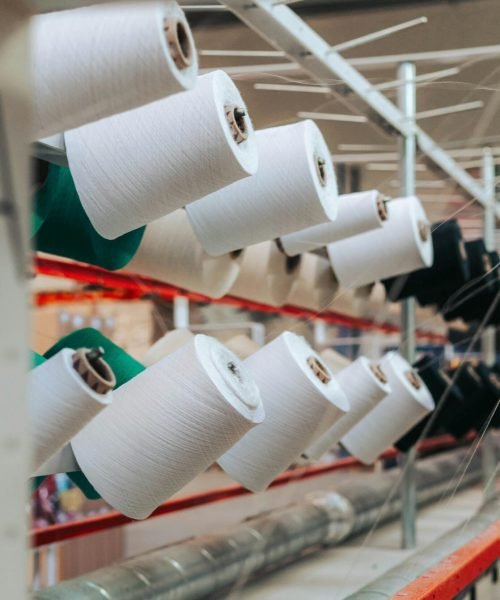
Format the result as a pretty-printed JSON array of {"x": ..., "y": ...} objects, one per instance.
[
  {"x": 377, "y": 35},
  {"x": 407, "y": 104},
  {"x": 488, "y": 336}
]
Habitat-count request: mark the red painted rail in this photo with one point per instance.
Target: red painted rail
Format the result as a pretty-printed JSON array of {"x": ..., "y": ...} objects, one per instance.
[
  {"x": 72, "y": 529},
  {"x": 458, "y": 571},
  {"x": 140, "y": 286}
]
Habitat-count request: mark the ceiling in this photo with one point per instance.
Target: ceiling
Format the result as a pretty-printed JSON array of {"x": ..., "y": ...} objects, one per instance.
[{"x": 451, "y": 25}]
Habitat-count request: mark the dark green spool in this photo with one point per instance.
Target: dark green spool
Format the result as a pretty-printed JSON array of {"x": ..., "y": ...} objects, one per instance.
[
  {"x": 123, "y": 365},
  {"x": 61, "y": 226}
]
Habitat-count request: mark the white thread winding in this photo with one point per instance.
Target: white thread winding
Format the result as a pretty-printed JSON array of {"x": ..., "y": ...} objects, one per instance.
[
  {"x": 92, "y": 62},
  {"x": 357, "y": 213},
  {"x": 168, "y": 424},
  {"x": 404, "y": 244},
  {"x": 396, "y": 414},
  {"x": 60, "y": 403},
  {"x": 138, "y": 166},
  {"x": 295, "y": 400},
  {"x": 294, "y": 187},
  {"x": 170, "y": 252},
  {"x": 316, "y": 286},
  {"x": 266, "y": 275},
  {"x": 167, "y": 344},
  {"x": 364, "y": 390},
  {"x": 242, "y": 346}
]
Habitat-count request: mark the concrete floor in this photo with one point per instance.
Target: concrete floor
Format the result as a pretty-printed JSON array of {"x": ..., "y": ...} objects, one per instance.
[{"x": 333, "y": 574}]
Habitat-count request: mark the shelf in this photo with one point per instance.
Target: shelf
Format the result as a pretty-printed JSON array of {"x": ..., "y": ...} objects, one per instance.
[
  {"x": 120, "y": 286},
  {"x": 71, "y": 529}
]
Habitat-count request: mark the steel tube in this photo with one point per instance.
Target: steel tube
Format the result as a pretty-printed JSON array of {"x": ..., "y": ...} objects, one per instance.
[
  {"x": 211, "y": 565},
  {"x": 407, "y": 104},
  {"x": 488, "y": 349}
]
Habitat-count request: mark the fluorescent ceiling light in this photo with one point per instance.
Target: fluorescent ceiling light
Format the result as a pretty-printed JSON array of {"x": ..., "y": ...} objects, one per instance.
[
  {"x": 390, "y": 167},
  {"x": 332, "y": 117},
  {"x": 282, "y": 87},
  {"x": 365, "y": 147},
  {"x": 377, "y": 35},
  {"x": 424, "y": 78},
  {"x": 449, "y": 110},
  {"x": 243, "y": 53},
  {"x": 430, "y": 184}
]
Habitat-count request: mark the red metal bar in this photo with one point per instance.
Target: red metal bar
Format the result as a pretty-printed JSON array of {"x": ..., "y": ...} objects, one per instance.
[
  {"x": 48, "y": 298},
  {"x": 458, "y": 571},
  {"x": 149, "y": 287},
  {"x": 72, "y": 529}
]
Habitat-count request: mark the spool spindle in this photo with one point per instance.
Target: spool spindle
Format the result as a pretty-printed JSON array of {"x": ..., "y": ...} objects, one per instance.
[
  {"x": 236, "y": 117},
  {"x": 321, "y": 170},
  {"x": 95, "y": 371},
  {"x": 414, "y": 379},
  {"x": 319, "y": 369},
  {"x": 178, "y": 42},
  {"x": 382, "y": 207},
  {"x": 377, "y": 370}
]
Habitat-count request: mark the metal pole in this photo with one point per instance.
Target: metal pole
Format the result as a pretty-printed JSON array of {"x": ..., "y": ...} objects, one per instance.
[
  {"x": 14, "y": 263},
  {"x": 488, "y": 336},
  {"x": 181, "y": 312},
  {"x": 407, "y": 105}
]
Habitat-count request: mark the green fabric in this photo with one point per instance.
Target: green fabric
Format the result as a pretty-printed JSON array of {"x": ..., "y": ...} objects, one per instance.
[
  {"x": 36, "y": 481},
  {"x": 36, "y": 359},
  {"x": 123, "y": 365},
  {"x": 41, "y": 208},
  {"x": 63, "y": 228}
]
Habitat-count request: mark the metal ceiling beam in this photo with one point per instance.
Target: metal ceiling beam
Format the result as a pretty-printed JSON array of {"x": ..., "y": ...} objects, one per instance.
[{"x": 285, "y": 30}]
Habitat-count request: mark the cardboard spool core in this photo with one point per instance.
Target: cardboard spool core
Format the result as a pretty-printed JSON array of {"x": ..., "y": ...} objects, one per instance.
[
  {"x": 319, "y": 369},
  {"x": 320, "y": 169},
  {"x": 382, "y": 207},
  {"x": 423, "y": 230},
  {"x": 178, "y": 41},
  {"x": 235, "y": 116},
  {"x": 94, "y": 370},
  {"x": 377, "y": 370},
  {"x": 414, "y": 379}
]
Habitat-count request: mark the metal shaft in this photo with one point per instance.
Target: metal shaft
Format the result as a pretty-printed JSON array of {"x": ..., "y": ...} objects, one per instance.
[
  {"x": 488, "y": 335},
  {"x": 407, "y": 105},
  {"x": 209, "y": 566}
]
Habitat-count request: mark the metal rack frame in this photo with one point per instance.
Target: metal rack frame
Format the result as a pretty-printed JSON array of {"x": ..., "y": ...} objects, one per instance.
[{"x": 284, "y": 30}]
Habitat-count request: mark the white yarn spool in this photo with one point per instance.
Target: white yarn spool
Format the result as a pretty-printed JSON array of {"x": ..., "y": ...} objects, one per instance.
[
  {"x": 62, "y": 400},
  {"x": 266, "y": 275},
  {"x": 365, "y": 385},
  {"x": 294, "y": 187},
  {"x": 170, "y": 252},
  {"x": 404, "y": 244},
  {"x": 242, "y": 346},
  {"x": 168, "y": 424},
  {"x": 296, "y": 391},
  {"x": 316, "y": 286},
  {"x": 334, "y": 360},
  {"x": 167, "y": 344},
  {"x": 138, "y": 166},
  {"x": 93, "y": 62},
  {"x": 408, "y": 402},
  {"x": 357, "y": 213}
]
